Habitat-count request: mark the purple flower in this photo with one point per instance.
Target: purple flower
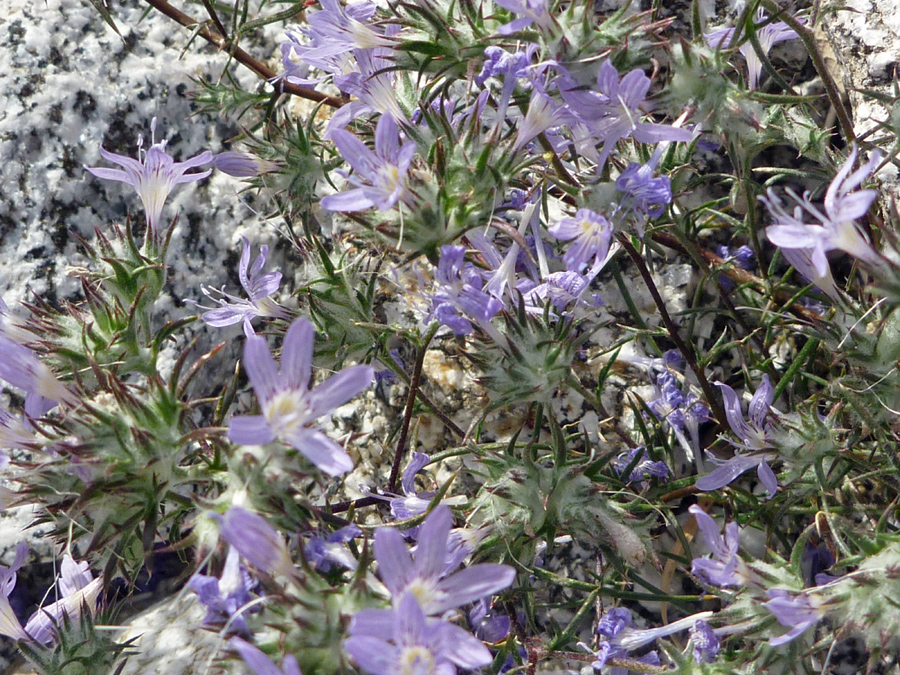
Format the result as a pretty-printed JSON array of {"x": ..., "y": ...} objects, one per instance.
[
  {"x": 153, "y": 174},
  {"x": 332, "y": 34},
  {"x": 615, "y": 113},
  {"x": 261, "y": 664},
  {"x": 22, "y": 368},
  {"x": 225, "y": 597},
  {"x": 487, "y": 625},
  {"x": 242, "y": 164},
  {"x": 836, "y": 227},
  {"x": 768, "y": 35},
  {"x": 9, "y": 623},
  {"x": 511, "y": 67},
  {"x": 259, "y": 289},
  {"x": 501, "y": 62},
  {"x": 797, "y": 612},
  {"x": 644, "y": 468},
  {"x": 590, "y": 235},
  {"x": 679, "y": 412},
  {"x": 743, "y": 258},
  {"x": 405, "y": 640},
  {"x": 802, "y": 261},
  {"x": 542, "y": 113},
  {"x": 705, "y": 642},
  {"x": 411, "y": 504},
  {"x": 648, "y": 194},
  {"x": 426, "y": 577},
  {"x": 754, "y": 434},
  {"x": 255, "y": 539},
  {"x": 813, "y": 563},
  {"x": 287, "y": 403},
  {"x": 459, "y": 293},
  {"x": 77, "y": 589},
  {"x": 336, "y": 30},
  {"x": 620, "y": 638},
  {"x": 380, "y": 177},
  {"x": 372, "y": 84},
  {"x": 561, "y": 289},
  {"x": 533, "y": 11},
  {"x": 325, "y": 553},
  {"x": 725, "y": 568}
]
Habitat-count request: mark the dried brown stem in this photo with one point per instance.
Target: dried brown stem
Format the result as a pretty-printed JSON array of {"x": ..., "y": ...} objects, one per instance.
[
  {"x": 738, "y": 275},
  {"x": 215, "y": 38},
  {"x": 410, "y": 404}
]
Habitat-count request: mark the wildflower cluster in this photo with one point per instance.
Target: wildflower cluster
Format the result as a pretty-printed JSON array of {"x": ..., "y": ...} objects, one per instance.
[{"x": 568, "y": 291}]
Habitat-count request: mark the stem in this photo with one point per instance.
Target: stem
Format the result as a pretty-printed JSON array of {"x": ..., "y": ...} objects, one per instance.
[
  {"x": 410, "y": 403},
  {"x": 808, "y": 38},
  {"x": 738, "y": 275},
  {"x": 686, "y": 351},
  {"x": 266, "y": 73}
]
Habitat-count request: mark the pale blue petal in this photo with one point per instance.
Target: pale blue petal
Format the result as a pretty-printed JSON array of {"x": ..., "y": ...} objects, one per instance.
[
  {"x": 349, "y": 201},
  {"x": 472, "y": 583},
  {"x": 325, "y": 453},
  {"x": 431, "y": 552},
  {"x": 261, "y": 368},
  {"x": 463, "y": 648},
  {"x": 395, "y": 564},
  {"x": 767, "y": 478},
  {"x": 297, "y": 354},
  {"x": 761, "y": 403},
  {"x": 373, "y": 655},
  {"x": 726, "y": 473},
  {"x": 733, "y": 412},
  {"x": 339, "y": 389},
  {"x": 250, "y": 430},
  {"x": 258, "y": 662}
]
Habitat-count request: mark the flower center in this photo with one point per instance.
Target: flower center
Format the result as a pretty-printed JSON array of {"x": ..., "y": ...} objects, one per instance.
[
  {"x": 286, "y": 412},
  {"x": 424, "y": 592},
  {"x": 416, "y": 660}
]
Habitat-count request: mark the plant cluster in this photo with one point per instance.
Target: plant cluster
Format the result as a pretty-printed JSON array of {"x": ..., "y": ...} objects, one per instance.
[{"x": 497, "y": 190}]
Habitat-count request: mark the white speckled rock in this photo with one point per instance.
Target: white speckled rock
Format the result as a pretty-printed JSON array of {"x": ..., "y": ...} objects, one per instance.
[{"x": 67, "y": 84}]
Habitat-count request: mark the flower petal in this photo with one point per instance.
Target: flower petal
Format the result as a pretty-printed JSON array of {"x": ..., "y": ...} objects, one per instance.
[
  {"x": 733, "y": 413},
  {"x": 325, "y": 453},
  {"x": 472, "y": 583},
  {"x": 261, "y": 368},
  {"x": 339, "y": 389},
  {"x": 297, "y": 354},
  {"x": 431, "y": 552},
  {"x": 394, "y": 561},
  {"x": 250, "y": 430},
  {"x": 725, "y": 474}
]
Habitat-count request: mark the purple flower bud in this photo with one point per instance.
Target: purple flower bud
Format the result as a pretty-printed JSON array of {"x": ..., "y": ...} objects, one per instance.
[
  {"x": 255, "y": 540},
  {"x": 644, "y": 468},
  {"x": 487, "y": 626},
  {"x": 324, "y": 553},
  {"x": 242, "y": 164}
]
